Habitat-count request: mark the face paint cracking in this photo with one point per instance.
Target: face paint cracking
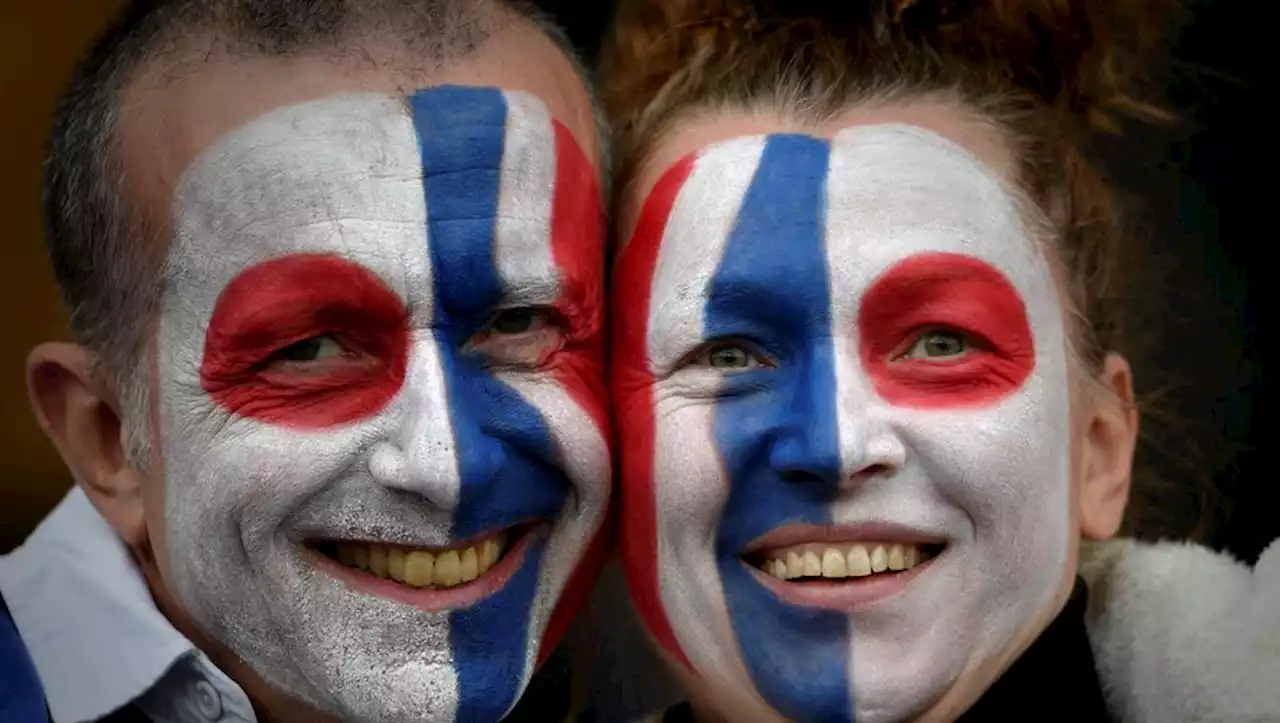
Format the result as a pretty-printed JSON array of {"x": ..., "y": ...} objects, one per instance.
[
  {"x": 890, "y": 372},
  {"x": 352, "y": 354}
]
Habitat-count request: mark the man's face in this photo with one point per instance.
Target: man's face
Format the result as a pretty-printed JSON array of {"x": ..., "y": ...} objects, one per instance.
[
  {"x": 379, "y": 397},
  {"x": 841, "y": 368}
]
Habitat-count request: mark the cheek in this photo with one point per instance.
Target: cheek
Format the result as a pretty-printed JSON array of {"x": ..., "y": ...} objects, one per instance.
[
  {"x": 689, "y": 479},
  {"x": 1009, "y": 467}
]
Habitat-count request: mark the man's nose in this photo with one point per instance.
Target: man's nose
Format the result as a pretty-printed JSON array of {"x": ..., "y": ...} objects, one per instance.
[{"x": 438, "y": 446}]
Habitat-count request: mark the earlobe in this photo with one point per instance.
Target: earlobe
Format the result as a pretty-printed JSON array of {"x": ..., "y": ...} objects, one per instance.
[
  {"x": 1110, "y": 439},
  {"x": 82, "y": 420}
]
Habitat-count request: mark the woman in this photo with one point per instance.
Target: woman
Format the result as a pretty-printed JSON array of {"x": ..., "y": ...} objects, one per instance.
[{"x": 870, "y": 374}]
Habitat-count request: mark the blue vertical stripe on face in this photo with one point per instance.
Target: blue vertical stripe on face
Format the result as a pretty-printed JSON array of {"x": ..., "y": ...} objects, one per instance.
[
  {"x": 776, "y": 427},
  {"x": 506, "y": 458}
]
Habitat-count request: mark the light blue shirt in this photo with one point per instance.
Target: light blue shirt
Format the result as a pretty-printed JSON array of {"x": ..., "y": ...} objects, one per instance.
[{"x": 96, "y": 637}]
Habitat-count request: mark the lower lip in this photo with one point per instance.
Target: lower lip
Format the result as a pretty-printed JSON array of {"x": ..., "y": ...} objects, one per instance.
[
  {"x": 846, "y": 594},
  {"x": 430, "y": 599}
]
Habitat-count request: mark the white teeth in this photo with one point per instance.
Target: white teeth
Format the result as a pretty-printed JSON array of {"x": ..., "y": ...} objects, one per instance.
[
  {"x": 842, "y": 561},
  {"x": 812, "y": 564},
  {"x": 833, "y": 563},
  {"x": 395, "y": 564},
  {"x": 448, "y": 569},
  {"x": 912, "y": 557},
  {"x": 858, "y": 562},
  {"x": 422, "y": 568},
  {"x": 897, "y": 558},
  {"x": 378, "y": 560},
  {"x": 419, "y": 567},
  {"x": 795, "y": 566},
  {"x": 470, "y": 564},
  {"x": 879, "y": 560}
]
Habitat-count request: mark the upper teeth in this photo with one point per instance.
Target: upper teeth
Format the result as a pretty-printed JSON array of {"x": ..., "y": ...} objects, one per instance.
[
  {"x": 851, "y": 560},
  {"x": 420, "y": 568}
]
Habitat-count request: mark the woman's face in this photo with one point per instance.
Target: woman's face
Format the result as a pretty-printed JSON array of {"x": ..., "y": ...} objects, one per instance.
[{"x": 842, "y": 382}]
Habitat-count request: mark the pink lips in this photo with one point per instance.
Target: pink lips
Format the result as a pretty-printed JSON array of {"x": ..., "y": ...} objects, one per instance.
[
  {"x": 878, "y": 531},
  {"x": 847, "y": 594},
  {"x": 429, "y": 599}
]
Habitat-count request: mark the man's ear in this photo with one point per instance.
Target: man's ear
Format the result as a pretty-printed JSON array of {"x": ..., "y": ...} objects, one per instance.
[
  {"x": 1111, "y": 434},
  {"x": 82, "y": 419}
]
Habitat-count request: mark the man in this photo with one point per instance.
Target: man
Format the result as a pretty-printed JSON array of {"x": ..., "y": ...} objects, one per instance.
[{"x": 335, "y": 411}]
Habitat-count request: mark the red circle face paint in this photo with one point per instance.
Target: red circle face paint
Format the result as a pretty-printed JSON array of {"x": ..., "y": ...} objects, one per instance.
[
  {"x": 958, "y": 294},
  {"x": 273, "y": 306}
]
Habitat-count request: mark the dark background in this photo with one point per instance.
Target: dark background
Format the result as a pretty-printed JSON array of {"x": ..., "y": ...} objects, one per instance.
[{"x": 1205, "y": 184}]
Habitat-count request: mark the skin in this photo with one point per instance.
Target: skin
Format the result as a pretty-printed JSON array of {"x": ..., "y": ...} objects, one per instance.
[
  {"x": 1103, "y": 418},
  {"x": 168, "y": 120}
]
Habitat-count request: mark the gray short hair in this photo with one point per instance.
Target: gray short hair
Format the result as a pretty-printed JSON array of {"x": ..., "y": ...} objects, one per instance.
[{"x": 107, "y": 257}]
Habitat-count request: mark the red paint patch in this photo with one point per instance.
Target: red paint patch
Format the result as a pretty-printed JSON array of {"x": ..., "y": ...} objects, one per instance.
[
  {"x": 632, "y": 387},
  {"x": 954, "y": 292},
  {"x": 278, "y": 303},
  {"x": 577, "y": 245}
]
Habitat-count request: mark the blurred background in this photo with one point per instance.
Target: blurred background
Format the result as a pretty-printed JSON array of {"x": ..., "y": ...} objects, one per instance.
[{"x": 1206, "y": 188}]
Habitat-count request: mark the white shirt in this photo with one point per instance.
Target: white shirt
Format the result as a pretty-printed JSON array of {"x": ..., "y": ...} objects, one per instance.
[{"x": 97, "y": 639}]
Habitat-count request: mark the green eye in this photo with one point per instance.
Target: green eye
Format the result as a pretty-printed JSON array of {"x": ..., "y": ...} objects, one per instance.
[
  {"x": 729, "y": 357},
  {"x": 939, "y": 344},
  {"x": 317, "y": 348}
]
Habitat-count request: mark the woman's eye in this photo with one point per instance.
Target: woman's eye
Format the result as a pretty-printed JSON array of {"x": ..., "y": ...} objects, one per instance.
[
  {"x": 730, "y": 357},
  {"x": 939, "y": 344},
  {"x": 317, "y": 348},
  {"x": 510, "y": 322}
]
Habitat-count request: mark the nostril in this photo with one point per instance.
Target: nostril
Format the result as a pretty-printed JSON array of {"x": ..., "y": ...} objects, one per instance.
[
  {"x": 868, "y": 473},
  {"x": 801, "y": 476}
]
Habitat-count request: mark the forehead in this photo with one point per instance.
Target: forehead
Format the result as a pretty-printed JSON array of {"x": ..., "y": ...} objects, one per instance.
[
  {"x": 170, "y": 118},
  {"x": 707, "y": 128},
  {"x": 369, "y": 176},
  {"x": 872, "y": 196}
]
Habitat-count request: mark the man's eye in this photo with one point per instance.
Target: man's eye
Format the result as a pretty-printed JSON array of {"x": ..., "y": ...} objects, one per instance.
[
  {"x": 939, "y": 344},
  {"x": 523, "y": 337},
  {"x": 728, "y": 357},
  {"x": 317, "y": 348},
  {"x": 510, "y": 322}
]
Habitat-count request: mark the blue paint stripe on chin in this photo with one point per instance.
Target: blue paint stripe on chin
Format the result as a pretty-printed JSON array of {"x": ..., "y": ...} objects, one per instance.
[
  {"x": 505, "y": 451},
  {"x": 776, "y": 428}
]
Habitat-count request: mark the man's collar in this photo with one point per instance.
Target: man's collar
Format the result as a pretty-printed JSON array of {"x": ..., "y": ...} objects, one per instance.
[{"x": 85, "y": 614}]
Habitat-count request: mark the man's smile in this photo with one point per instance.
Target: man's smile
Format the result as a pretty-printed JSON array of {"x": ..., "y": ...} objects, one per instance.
[{"x": 428, "y": 578}]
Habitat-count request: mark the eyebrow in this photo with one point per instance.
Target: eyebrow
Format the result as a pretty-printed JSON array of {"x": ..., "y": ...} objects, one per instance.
[{"x": 530, "y": 292}]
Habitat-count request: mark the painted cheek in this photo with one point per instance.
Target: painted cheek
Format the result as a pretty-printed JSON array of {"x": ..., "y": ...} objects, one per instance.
[
  {"x": 577, "y": 246},
  {"x": 951, "y": 291},
  {"x": 633, "y": 399},
  {"x": 274, "y": 304}
]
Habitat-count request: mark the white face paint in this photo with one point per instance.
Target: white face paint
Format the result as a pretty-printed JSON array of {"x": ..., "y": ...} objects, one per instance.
[
  {"x": 416, "y": 419},
  {"x": 843, "y": 342}
]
